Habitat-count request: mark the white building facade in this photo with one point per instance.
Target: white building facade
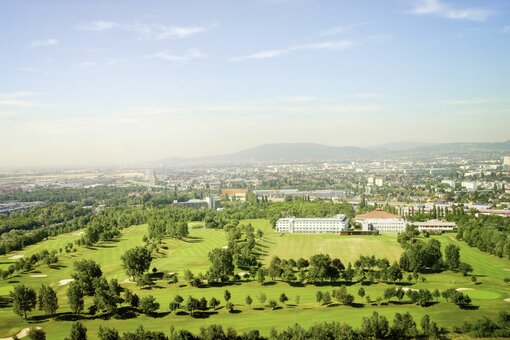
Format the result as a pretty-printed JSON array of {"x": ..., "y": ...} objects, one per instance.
[
  {"x": 382, "y": 221},
  {"x": 313, "y": 225},
  {"x": 435, "y": 226}
]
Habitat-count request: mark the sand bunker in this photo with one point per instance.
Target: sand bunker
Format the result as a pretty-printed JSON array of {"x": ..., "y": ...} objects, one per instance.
[
  {"x": 38, "y": 275},
  {"x": 462, "y": 289},
  {"x": 171, "y": 273},
  {"x": 405, "y": 289},
  {"x": 79, "y": 233},
  {"x": 21, "y": 334},
  {"x": 242, "y": 274},
  {"x": 15, "y": 257},
  {"x": 507, "y": 300},
  {"x": 64, "y": 282},
  {"x": 224, "y": 247},
  {"x": 507, "y": 269}
]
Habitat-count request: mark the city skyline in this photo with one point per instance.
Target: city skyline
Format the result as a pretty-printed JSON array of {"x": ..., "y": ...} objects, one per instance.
[{"x": 109, "y": 83}]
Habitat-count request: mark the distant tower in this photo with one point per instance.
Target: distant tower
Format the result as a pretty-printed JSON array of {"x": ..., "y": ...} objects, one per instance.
[{"x": 506, "y": 161}]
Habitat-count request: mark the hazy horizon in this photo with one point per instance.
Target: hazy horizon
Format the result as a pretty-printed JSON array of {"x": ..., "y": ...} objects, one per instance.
[{"x": 87, "y": 83}]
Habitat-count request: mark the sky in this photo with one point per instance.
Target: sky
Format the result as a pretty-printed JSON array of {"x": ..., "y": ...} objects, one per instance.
[{"x": 116, "y": 82}]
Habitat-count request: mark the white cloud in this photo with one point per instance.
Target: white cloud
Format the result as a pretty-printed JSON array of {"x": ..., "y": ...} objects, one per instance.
[
  {"x": 43, "y": 43},
  {"x": 162, "y": 32},
  {"x": 95, "y": 26},
  {"x": 189, "y": 55},
  {"x": 29, "y": 69},
  {"x": 327, "y": 45},
  {"x": 342, "y": 29},
  {"x": 148, "y": 31},
  {"x": 444, "y": 10},
  {"x": 506, "y": 29}
]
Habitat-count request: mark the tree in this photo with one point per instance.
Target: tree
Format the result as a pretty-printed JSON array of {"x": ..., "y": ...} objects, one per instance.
[
  {"x": 86, "y": 272},
  {"x": 192, "y": 305},
  {"x": 319, "y": 296},
  {"x": 202, "y": 304},
  {"x": 227, "y": 295},
  {"x": 229, "y": 306},
  {"x": 272, "y": 304},
  {"x": 321, "y": 268},
  {"x": 24, "y": 300},
  {"x": 326, "y": 299},
  {"x": 436, "y": 294},
  {"x": 429, "y": 328},
  {"x": 394, "y": 272},
  {"x": 452, "y": 256},
  {"x": 248, "y": 300},
  {"x": 460, "y": 299},
  {"x": 375, "y": 326},
  {"x": 342, "y": 296},
  {"x": 424, "y": 297},
  {"x": 144, "y": 280},
  {"x": 275, "y": 270},
  {"x": 283, "y": 298},
  {"x": 361, "y": 292},
  {"x": 48, "y": 300},
  {"x": 141, "y": 333},
  {"x": 36, "y": 333},
  {"x": 78, "y": 332},
  {"x": 262, "y": 298},
  {"x": 222, "y": 265},
  {"x": 465, "y": 268},
  {"x": 107, "y": 295},
  {"x": 261, "y": 275},
  {"x": 136, "y": 261},
  {"x": 75, "y": 297},
  {"x": 106, "y": 333},
  {"x": 403, "y": 326},
  {"x": 214, "y": 303},
  {"x": 148, "y": 304}
]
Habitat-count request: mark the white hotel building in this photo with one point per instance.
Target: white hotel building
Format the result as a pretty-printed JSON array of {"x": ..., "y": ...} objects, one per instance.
[
  {"x": 332, "y": 225},
  {"x": 382, "y": 221}
]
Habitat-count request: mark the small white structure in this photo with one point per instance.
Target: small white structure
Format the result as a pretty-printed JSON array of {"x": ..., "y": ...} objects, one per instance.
[
  {"x": 449, "y": 182},
  {"x": 469, "y": 185},
  {"x": 332, "y": 225},
  {"x": 436, "y": 226},
  {"x": 382, "y": 221},
  {"x": 506, "y": 161},
  {"x": 379, "y": 182}
]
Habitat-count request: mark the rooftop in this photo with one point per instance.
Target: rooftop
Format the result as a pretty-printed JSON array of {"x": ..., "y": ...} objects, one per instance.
[{"x": 378, "y": 214}]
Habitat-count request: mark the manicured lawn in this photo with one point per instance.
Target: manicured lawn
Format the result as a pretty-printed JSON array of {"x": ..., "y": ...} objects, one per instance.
[{"x": 192, "y": 254}]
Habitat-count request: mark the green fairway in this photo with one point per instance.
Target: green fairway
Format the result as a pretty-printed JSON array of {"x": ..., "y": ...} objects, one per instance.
[{"x": 192, "y": 254}]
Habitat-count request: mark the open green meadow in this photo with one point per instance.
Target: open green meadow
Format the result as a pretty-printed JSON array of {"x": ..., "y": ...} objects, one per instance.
[{"x": 488, "y": 296}]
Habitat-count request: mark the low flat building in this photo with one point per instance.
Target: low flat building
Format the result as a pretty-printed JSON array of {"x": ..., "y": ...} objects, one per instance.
[
  {"x": 237, "y": 194},
  {"x": 381, "y": 221},
  {"x": 436, "y": 226},
  {"x": 333, "y": 225},
  {"x": 207, "y": 203}
]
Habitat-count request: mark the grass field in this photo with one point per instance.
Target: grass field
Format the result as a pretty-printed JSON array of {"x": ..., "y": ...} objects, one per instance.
[{"x": 192, "y": 254}]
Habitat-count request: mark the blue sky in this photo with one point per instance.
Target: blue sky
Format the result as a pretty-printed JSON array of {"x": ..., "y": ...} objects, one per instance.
[{"x": 111, "y": 82}]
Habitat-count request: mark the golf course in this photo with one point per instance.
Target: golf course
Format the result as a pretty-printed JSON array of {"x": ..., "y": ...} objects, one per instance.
[{"x": 489, "y": 294}]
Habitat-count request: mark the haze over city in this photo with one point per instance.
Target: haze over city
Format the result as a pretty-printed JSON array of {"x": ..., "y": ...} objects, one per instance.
[{"x": 87, "y": 83}]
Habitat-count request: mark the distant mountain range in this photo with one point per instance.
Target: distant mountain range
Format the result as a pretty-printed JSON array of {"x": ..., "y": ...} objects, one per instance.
[{"x": 311, "y": 152}]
